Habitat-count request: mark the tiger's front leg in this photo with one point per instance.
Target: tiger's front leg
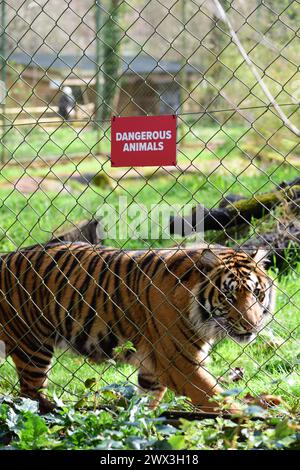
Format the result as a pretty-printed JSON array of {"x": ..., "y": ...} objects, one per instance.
[
  {"x": 195, "y": 382},
  {"x": 198, "y": 385},
  {"x": 150, "y": 384},
  {"x": 32, "y": 370}
]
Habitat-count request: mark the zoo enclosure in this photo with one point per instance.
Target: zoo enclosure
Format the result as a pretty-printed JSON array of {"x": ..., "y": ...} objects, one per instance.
[{"x": 229, "y": 71}]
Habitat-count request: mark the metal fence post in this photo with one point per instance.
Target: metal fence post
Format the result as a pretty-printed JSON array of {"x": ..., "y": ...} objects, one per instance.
[
  {"x": 3, "y": 77},
  {"x": 98, "y": 65}
]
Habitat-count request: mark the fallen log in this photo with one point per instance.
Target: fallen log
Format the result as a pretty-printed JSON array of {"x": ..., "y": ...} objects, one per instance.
[
  {"x": 234, "y": 214},
  {"x": 86, "y": 231},
  {"x": 229, "y": 198},
  {"x": 282, "y": 246},
  {"x": 285, "y": 184}
]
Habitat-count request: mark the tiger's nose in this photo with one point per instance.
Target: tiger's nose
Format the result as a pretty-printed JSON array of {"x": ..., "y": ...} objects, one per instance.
[{"x": 247, "y": 325}]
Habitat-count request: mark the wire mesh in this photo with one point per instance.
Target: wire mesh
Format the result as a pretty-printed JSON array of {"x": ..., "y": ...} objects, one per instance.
[{"x": 111, "y": 263}]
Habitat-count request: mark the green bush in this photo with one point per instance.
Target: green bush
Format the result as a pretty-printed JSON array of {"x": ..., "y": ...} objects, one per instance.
[{"x": 130, "y": 425}]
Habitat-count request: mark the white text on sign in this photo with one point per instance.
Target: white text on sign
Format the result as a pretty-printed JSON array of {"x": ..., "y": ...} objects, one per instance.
[{"x": 133, "y": 140}]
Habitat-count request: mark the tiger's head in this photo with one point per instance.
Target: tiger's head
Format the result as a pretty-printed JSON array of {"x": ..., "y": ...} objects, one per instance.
[{"x": 235, "y": 298}]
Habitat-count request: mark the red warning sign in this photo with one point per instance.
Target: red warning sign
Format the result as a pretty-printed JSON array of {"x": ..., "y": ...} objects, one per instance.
[{"x": 143, "y": 141}]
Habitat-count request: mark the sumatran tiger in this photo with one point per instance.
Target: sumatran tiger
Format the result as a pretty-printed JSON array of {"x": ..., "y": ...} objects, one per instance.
[{"x": 172, "y": 305}]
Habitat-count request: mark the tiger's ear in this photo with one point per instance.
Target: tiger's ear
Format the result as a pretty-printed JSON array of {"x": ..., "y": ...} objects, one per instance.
[
  {"x": 210, "y": 259},
  {"x": 260, "y": 256}
]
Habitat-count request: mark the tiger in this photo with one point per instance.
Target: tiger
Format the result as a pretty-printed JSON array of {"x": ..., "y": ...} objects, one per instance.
[{"x": 171, "y": 305}]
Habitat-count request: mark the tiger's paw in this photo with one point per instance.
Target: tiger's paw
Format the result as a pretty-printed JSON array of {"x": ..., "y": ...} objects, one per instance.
[
  {"x": 231, "y": 407},
  {"x": 45, "y": 405},
  {"x": 263, "y": 400}
]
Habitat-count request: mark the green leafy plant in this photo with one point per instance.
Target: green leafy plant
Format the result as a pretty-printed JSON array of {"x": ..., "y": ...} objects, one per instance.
[{"x": 131, "y": 425}]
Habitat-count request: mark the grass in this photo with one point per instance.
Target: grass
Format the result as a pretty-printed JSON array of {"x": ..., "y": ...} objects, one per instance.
[
  {"x": 267, "y": 367},
  {"x": 31, "y": 218},
  {"x": 31, "y": 143},
  {"x": 34, "y": 142}
]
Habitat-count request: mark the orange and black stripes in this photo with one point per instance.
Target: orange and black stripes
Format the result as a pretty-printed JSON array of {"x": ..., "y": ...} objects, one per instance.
[{"x": 95, "y": 299}]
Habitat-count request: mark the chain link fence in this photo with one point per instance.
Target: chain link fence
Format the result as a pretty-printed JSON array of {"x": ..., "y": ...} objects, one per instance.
[{"x": 175, "y": 271}]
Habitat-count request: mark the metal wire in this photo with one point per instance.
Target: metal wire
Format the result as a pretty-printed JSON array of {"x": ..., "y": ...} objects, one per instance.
[{"x": 230, "y": 73}]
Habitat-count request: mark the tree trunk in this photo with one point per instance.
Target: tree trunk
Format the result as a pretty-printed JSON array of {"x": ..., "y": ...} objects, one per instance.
[{"x": 235, "y": 213}]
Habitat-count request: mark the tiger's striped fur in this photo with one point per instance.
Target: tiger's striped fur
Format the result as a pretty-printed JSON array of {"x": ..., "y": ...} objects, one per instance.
[{"x": 171, "y": 304}]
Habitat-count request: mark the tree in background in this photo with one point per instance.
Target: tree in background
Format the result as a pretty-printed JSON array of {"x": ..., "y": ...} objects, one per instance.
[{"x": 110, "y": 39}]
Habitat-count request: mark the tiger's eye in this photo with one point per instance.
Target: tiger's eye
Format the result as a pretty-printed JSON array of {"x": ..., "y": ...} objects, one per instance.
[
  {"x": 229, "y": 296},
  {"x": 259, "y": 294}
]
